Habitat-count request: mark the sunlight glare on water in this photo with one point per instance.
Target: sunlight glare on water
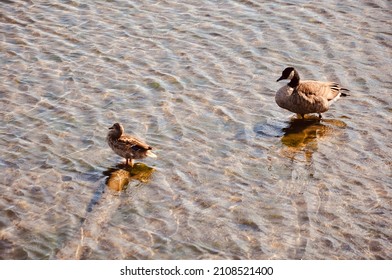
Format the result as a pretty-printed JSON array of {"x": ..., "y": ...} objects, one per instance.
[{"x": 236, "y": 176}]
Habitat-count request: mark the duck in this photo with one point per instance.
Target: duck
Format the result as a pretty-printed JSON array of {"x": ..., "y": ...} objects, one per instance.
[
  {"x": 307, "y": 97},
  {"x": 127, "y": 146}
]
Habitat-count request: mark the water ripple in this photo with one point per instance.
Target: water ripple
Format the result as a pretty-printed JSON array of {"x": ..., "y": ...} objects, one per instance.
[{"x": 236, "y": 176}]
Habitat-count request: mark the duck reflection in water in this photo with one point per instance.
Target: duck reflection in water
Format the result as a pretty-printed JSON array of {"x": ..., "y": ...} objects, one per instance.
[
  {"x": 120, "y": 176},
  {"x": 303, "y": 135}
]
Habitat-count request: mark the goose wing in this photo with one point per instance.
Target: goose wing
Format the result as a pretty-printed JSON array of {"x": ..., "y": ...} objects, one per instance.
[
  {"x": 312, "y": 89},
  {"x": 134, "y": 143}
]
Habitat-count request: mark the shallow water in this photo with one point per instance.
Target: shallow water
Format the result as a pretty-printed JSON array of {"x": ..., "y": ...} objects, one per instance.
[{"x": 236, "y": 176}]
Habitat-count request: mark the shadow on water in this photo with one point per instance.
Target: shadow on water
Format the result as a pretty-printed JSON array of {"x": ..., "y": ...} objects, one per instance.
[
  {"x": 94, "y": 224},
  {"x": 118, "y": 179},
  {"x": 301, "y": 132},
  {"x": 302, "y": 135}
]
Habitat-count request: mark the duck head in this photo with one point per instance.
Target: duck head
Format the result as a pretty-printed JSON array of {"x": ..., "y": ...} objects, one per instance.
[{"x": 116, "y": 130}]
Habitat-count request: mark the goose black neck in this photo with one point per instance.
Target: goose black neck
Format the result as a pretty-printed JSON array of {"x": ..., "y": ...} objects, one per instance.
[{"x": 295, "y": 80}]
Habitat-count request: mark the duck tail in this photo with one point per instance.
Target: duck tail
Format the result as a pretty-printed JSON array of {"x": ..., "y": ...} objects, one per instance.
[{"x": 151, "y": 154}]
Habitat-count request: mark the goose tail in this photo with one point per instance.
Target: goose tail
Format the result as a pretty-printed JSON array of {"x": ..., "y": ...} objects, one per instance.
[
  {"x": 344, "y": 92},
  {"x": 341, "y": 92}
]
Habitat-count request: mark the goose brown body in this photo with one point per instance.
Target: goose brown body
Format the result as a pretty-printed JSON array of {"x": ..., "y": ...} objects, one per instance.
[
  {"x": 127, "y": 146},
  {"x": 306, "y": 97}
]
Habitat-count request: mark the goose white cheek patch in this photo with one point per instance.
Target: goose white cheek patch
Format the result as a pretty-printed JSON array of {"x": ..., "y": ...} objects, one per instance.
[{"x": 291, "y": 75}]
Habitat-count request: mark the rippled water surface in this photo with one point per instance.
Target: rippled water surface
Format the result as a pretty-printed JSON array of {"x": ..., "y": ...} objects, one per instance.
[{"x": 236, "y": 176}]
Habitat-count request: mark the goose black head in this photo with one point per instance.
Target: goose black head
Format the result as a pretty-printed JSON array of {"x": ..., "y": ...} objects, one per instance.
[{"x": 287, "y": 74}]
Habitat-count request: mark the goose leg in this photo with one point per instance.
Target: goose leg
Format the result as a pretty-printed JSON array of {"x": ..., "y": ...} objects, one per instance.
[
  {"x": 319, "y": 115},
  {"x": 126, "y": 161}
]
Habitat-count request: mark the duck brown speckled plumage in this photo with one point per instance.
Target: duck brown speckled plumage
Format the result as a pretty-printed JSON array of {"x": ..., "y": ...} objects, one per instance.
[
  {"x": 127, "y": 146},
  {"x": 306, "y": 97}
]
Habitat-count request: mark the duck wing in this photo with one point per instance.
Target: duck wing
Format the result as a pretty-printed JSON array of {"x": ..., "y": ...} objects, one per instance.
[{"x": 134, "y": 143}]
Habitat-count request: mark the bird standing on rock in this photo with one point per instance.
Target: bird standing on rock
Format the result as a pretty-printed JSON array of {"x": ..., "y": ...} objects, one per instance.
[
  {"x": 127, "y": 146},
  {"x": 306, "y": 97}
]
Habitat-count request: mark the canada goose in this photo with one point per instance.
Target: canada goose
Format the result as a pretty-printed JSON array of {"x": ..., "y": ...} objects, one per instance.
[
  {"x": 127, "y": 146},
  {"x": 305, "y": 97}
]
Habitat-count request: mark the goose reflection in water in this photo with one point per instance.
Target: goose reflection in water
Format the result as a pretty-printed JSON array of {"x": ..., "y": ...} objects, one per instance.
[
  {"x": 120, "y": 176},
  {"x": 303, "y": 135}
]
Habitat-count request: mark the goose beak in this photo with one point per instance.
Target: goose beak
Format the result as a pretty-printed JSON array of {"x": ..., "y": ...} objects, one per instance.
[
  {"x": 281, "y": 78},
  {"x": 111, "y": 127}
]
